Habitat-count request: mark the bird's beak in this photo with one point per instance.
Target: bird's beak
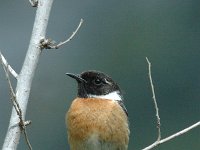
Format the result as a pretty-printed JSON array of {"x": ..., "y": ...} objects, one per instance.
[{"x": 77, "y": 77}]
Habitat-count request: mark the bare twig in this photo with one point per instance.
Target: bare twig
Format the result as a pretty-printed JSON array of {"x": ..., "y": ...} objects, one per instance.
[
  {"x": 5, "y": 63},
  {"x": 159, "y": 140},
  {"x": 22, "y": 124},
  {"x": 33, "y": 3},
  {"x": 172, "y": 136},
  {"x": 73, "y": 34},
  {"x": 12, "y": 93},
  {"x": 50, "y": 44},
  {"x": 26, "y": 138},
  {"x": 154, "y": 100}
]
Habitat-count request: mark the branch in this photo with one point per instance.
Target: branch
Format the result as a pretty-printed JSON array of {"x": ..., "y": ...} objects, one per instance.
[
  {"x": 50, "y": 44},
  {"x": 159, "y": 140},
  {"x": 9, "y": 68},
  {"x": 12, "y": 93},
  {"x": 24, "y": 80},
  {"x": 17, "y": 108},
  {"x": 23, "y": 126},
  {"x": 154, "y": 100},
  {"x": 172, "y": 136},
  {"x": 73, "y": 34}
]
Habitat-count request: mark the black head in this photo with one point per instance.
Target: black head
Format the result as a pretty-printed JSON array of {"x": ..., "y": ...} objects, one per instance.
[{"x": 94, "y": 83}]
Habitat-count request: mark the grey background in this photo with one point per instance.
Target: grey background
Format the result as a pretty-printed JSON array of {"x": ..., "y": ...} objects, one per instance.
[{"x": 115, "y": 38}]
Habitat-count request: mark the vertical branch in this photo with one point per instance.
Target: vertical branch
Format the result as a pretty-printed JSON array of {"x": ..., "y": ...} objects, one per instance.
[
  {"x": 154, "y": 100},
  {"x": 27, "y": 73}
]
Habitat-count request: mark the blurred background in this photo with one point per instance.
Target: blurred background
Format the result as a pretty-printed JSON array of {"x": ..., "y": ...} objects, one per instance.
[{"x": 115, "y": 38}]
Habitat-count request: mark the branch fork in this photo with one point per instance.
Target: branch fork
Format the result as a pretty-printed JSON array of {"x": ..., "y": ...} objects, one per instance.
[
  {"x": 159, "y": 139},
  {"x": 34, "y": 3}
]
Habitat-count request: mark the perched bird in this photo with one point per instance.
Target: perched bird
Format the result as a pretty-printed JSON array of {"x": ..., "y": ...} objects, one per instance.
[{"x": 97, "y": 119}]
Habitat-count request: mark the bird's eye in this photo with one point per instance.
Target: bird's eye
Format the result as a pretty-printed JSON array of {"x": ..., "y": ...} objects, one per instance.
[{"x": 97, "y": 81}]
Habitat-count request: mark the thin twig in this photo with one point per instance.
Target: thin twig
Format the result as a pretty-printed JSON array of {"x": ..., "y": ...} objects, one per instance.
[
  {"x": 5, "y": 63},
  {"x": 15, "y": 103},
  {"x": 27, "y": 139},
  {"x": 172, "y": 136},
  {"x": 73, "y": 34},
  {"x": 50, "y": 44},
  {"x": 12, "y": 93},
  {"x": 154, "y": 100},
  {"x": 159, "y": 140}
]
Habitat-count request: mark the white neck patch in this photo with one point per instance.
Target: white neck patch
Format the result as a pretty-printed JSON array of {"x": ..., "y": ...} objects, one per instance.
[{"x": 112, "y": 96}]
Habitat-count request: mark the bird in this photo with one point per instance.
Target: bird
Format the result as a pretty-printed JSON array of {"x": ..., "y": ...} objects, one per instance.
[{"x": 97, "y": 118}]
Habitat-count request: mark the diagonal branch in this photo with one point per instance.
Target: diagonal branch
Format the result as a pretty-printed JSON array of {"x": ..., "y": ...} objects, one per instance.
[
  {"x": 49, "y": 44},
  {"x": 172, "y": 136},
  {"x": 12, "y": 93},
  {"x": 154, "y": 100},
  {"x": 9, "y": 68},
  {"x": 16, "y": 105},
  {"x": 73, "y": 34}
]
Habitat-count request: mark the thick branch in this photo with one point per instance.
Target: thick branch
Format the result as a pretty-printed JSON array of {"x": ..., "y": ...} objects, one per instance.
[{"x": 27, "y": 73}]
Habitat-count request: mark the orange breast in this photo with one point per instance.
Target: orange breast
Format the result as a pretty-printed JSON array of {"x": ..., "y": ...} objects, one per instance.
[{"x": 103, "y": 117}]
